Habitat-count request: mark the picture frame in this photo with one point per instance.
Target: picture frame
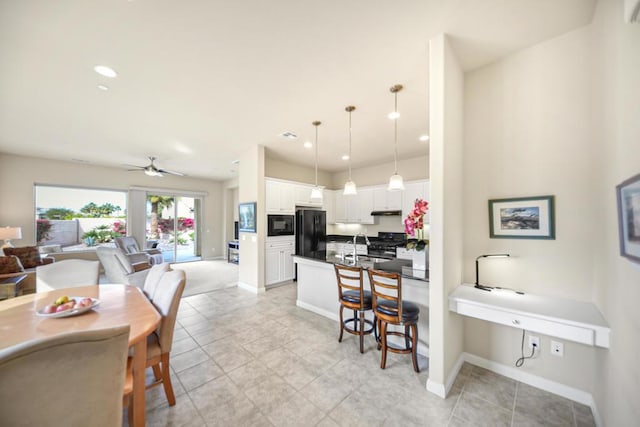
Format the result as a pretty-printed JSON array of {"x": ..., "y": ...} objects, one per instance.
[
  {"x": 247, "y": 217},
  {"x": 628, "y": 200},
  {"x": 522, "y": 218}
]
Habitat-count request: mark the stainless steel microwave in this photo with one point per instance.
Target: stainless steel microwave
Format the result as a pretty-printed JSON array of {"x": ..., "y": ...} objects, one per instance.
[{"x": 280, "y": 225}]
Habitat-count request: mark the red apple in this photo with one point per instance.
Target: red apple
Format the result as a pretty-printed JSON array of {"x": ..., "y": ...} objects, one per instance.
[{"x": 51, "y": 308}]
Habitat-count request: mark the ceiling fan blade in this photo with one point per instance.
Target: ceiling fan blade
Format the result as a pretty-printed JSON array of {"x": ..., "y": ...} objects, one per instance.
[
  {"x": 171, "y": 172},
  {"x": 133, "y": 166}
]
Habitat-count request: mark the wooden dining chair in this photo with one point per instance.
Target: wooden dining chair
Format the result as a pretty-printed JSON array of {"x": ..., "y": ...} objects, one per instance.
[
  {"x": 389, "y": 309},
  {"x": 352, "y": 296},
  {"x": 72, "y": 379},
  {"x": 67, "y": 273},
  {"x": 166, "y": 300}
]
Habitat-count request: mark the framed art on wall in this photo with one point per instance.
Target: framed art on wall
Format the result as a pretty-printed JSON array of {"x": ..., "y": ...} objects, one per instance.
[
  {"x": 522, "y": 218},
  {"x": 628, "y": 195},
  {"x": 247, "y": 217}
]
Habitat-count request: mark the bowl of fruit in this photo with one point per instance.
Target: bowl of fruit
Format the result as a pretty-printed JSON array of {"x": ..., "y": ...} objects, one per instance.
[{"x": 65, "y": 306}]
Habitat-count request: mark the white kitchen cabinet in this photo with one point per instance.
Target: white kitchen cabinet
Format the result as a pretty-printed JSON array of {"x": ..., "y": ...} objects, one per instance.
[
  {"x": 302, "y": 196},
  {"x": 385, "y": 200},
  {"x": 279, "y": 260},
  {"x": 329, "y": 205},
  {"x": 354, "y": 209},
  {"x": 415, "y": 190},
  {"x": 279, "y": 197}
]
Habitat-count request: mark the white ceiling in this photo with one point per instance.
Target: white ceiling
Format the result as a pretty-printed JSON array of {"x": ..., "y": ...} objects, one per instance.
[{"x": 201, "y": 80}]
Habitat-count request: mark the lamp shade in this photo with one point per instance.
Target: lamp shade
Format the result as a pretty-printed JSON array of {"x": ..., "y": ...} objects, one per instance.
[
  {"x": 350, "y": 188},
  {"x": 316, "y": 194},
  {"x": 8, "y": 233},
  {"x": 396, "y": 183}
]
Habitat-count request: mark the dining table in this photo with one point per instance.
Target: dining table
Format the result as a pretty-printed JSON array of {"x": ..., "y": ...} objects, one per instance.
[{"x": 117, "y": 305}]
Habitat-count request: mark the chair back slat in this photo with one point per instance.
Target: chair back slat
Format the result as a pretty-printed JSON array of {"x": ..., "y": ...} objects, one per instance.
[
  {"x": 386, "y": 286},
  {"x": 349, "y": 279}
]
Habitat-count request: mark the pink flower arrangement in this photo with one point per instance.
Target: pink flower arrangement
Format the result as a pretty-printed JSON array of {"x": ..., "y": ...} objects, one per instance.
[{"x": 414, "y": 225}]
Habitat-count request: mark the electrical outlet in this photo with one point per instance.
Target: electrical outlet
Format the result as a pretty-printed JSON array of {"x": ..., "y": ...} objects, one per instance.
[
  {"x": 557, "y": 348},
  {"x": 533, "y": 340}
]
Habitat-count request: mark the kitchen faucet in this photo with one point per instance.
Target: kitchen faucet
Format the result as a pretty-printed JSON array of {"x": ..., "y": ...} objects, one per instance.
[{"x": 355, "y": 237}]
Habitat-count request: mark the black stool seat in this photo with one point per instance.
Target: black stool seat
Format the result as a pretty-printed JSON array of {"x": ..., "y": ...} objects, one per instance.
[
  {"x": 410, "y": 310},
  {"x": 354, "y": 297}
]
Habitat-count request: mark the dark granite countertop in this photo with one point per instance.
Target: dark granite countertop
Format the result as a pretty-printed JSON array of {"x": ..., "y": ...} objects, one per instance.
[{"x": 401, "y": 266}]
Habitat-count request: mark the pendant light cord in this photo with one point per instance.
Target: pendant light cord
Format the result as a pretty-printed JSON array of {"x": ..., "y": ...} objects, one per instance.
[
  {"x": 349, "y": 145},
  {"x": 316, "y": 155},
  {"x": 395, "y": 135}
]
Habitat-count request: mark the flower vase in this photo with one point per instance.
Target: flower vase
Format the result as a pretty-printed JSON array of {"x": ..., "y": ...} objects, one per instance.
[{"x": 420, "y": 259}]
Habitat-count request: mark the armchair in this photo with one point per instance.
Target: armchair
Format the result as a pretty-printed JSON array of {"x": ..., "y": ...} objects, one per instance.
[
  {"x": 129, "y": 245},
  {"x": 120, "y": 267}
]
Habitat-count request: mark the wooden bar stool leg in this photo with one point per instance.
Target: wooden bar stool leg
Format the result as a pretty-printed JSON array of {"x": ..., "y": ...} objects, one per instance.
[
  {"x": 362, "y": 332},
  {"x": 407, "y": 337},
  {"x": 383, "y": 361},
  {"x": 414, "y": 347},
  {"x": 355, "y": 320},
  {"x": 341, "y": 324}
]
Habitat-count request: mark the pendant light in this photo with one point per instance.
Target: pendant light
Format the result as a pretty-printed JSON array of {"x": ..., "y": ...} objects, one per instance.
[
  {"x": 316, "y": 192},
  {"x": 350, "y": 186},
  {"x": 395, "y": 182}
]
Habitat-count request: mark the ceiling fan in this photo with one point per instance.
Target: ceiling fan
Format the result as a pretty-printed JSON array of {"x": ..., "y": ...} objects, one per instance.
[{"x": 152, "y": 170}]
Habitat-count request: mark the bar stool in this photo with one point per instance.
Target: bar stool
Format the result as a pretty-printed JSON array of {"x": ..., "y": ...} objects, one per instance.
[
  {"x": 388, "y": 308},
  {"x": 352, "y": 296}
]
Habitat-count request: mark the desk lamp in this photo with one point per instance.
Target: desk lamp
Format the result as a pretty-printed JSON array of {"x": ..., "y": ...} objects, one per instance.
[
  {"x": 477, "y": 284},
  {"x": 8, "y": 233}
]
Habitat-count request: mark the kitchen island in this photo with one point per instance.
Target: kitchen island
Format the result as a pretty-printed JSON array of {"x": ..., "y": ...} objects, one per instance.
[{"x": 318, "y": 289}]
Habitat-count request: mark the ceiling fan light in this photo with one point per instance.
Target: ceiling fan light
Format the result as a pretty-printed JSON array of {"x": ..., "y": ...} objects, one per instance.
[
  {"x": 316, "y": 194},
  {"x": 395, "y": 183},
  {"x": 350, "y": 188}
]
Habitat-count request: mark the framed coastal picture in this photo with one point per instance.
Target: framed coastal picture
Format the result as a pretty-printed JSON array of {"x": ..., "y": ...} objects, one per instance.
[
  {"x": 522, "y": 218},
  {"x": 247, "y": 217},
  {"x": 628, "y": 194}
]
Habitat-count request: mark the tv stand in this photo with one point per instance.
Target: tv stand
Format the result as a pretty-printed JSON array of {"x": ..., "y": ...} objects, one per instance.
[{"x": 233, "y": 251}]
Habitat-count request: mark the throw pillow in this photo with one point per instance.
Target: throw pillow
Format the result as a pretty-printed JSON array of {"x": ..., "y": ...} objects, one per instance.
[
  {"x": 29, "y": 255},
  {"x": 10, "y": 264}
]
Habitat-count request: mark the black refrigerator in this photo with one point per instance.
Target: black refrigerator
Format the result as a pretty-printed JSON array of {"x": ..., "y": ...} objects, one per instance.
[{"x": 311, "y": 233}]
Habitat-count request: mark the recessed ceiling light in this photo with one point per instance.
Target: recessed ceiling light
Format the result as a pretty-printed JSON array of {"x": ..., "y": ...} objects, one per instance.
[
  {"x": 394, "y": 115},
  {"x": 235, "y": 162},
  {"x": 308, "y": 144},
  {"x": 103, "y": 87},
  {"x": 424, "y": 138},
  {"x": 289, "y": 135},
  {"x": 105, "y": 71},
  {"x": 345, "y": 157}
]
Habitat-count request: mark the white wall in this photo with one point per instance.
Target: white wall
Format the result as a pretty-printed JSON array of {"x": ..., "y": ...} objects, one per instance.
[
  {"x": 411, "y": 169},
  {"x": 616, "y": 121},
  {"x": 276, "y": 168},
  {"x": 19, "y": 174},
  {"x": 251, "y": 189},
  {"x": 446, "y": 85},
  {"x": 528, "y": 133}
]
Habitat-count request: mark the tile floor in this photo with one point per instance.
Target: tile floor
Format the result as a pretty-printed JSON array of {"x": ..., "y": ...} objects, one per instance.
[{"x": 244, "y": 360}]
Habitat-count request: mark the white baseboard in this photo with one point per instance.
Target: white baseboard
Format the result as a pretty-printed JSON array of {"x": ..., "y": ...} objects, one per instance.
[
  {"x": 534, "y": 381},
  {"x": 443, "y": 389},
  {"x": 436, "y": 388},
  {"x": 250, "y": 288},
  {"x": 321, "y": 312}
]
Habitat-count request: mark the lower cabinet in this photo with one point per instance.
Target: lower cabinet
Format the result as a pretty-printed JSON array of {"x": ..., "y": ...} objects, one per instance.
[{"x": 279, "y": 261}]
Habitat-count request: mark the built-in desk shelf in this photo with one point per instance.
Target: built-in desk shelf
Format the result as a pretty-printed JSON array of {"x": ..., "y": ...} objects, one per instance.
[{"x": 556, "y": 317}]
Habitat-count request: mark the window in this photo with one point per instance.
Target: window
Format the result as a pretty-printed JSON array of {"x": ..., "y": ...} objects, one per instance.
[{"x": 74, "y": 218}]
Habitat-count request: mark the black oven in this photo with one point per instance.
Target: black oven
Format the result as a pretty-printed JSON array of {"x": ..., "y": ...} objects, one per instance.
[{"x": 280, "y": 225}]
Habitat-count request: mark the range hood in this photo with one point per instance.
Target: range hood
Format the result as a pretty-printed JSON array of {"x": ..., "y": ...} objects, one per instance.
[{"x": 386, "y": 213}]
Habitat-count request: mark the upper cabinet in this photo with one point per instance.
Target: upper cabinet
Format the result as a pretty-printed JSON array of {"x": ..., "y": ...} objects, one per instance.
[
  {"x": 415, "y": 190},
  {"x": 384, "y": 200},
  {"x": 354, "y": 209},
  {"x": 329, "y": 205},
  {"x": 302, "y": 196},
  {"x": 280, "y": 197}
]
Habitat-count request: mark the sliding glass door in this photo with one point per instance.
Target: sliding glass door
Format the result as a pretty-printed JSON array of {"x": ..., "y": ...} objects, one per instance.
[{"x": 173, "y": 226}]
